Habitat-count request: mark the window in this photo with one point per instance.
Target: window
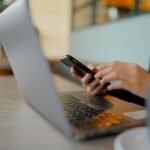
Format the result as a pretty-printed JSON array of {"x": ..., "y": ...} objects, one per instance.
[{"x": 91, "y": 12}]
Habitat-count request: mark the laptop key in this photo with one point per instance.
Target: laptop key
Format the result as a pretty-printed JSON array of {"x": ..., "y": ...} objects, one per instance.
[{"x": 80, "y": 114}]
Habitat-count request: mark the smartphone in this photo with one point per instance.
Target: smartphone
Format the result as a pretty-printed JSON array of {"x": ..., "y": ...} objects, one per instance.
[{"x": 81, "y": 69}]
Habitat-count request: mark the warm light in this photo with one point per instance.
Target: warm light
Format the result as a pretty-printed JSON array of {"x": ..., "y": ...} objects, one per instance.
[
  {"x": 129, "y": 4},
  {"x": 145, "y": 5}
]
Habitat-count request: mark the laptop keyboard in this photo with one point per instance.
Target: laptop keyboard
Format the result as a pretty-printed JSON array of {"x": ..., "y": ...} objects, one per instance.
[
  {"x": 80, "y": 114},
  {"x": 76, "y": 111}
]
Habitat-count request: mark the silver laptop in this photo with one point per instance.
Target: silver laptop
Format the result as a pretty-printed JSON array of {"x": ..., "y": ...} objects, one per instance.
[{"x": 76, "y": 114}]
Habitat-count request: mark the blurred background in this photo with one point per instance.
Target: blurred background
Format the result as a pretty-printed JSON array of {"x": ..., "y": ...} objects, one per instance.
[
  {"x": 103, "y": 11},
  {"x": 92, "y": 30}
]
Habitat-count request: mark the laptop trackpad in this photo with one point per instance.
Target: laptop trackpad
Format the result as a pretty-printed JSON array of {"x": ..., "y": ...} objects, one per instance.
[{"x": 97, "y": 102}]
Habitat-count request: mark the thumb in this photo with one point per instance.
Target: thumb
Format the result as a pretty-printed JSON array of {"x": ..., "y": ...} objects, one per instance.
[{"x": 92, "y": 67}]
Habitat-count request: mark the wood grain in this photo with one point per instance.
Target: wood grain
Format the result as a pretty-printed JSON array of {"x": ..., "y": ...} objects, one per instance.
[{"x": 21, "y": 128}]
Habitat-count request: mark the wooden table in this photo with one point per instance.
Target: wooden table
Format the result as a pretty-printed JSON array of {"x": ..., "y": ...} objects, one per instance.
[{"x": 21, "y": 128}]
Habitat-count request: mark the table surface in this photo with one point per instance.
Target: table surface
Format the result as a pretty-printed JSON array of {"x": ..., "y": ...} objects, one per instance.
[{"x": 21, "y": 128}]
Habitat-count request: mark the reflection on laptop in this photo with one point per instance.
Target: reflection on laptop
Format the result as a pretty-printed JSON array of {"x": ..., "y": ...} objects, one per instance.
[{"x": 76, "y": 114}]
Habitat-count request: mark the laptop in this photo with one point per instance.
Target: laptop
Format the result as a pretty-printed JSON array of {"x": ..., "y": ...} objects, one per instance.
[{"x": 76, "y": 114}]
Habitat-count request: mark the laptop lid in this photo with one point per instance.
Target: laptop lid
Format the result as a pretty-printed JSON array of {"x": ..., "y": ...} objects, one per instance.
[{"x": 31, "y": 70}]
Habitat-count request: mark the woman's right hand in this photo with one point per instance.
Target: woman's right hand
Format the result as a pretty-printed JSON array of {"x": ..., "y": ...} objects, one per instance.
[{"x": 94, "y": 87}]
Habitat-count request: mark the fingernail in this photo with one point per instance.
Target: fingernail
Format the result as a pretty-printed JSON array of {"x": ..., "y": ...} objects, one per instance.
[
  {"x": 88, "y": 89},
  {"x": 97, "y": 80},
  {"x": 95, "y": 76},
  {"x": 98, "y": 67},
  {"x": 101, "y": 82},
  {"x": 89, "y": 75},
  {"x": 108, "y": 88}
]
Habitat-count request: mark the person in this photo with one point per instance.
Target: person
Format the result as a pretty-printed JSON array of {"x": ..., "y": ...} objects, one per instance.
[{"x": 120, "y": 75}]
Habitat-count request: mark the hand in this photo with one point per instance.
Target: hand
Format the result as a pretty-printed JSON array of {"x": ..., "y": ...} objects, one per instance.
[
  {"x": 124, "y": 75},
  {"x": 94, "y": 87}
]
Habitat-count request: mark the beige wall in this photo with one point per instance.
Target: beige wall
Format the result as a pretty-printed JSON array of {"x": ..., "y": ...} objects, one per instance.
[{"x": 52, "y": 17}]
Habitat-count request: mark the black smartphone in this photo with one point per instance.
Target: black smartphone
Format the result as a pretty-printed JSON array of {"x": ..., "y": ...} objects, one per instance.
[{"x": 81, "y": 69}]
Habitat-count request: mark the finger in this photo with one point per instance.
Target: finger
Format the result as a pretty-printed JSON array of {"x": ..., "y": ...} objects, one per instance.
[
  {"x": 109, "y": 77},
  {"x": 97, "y": 90},
  {"x": 103, "y": 66},
  {"x": 93, "y": 85},
  {"x": 85, "y": 80},
  {"x": 117, "y": 85},
  {"x": 75, "y": 74},
  {"x": 102, "y": 73},
  {"x": 92, "y": 67}
]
